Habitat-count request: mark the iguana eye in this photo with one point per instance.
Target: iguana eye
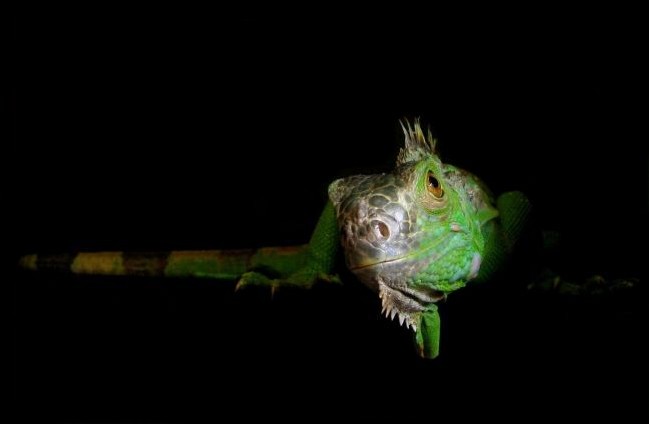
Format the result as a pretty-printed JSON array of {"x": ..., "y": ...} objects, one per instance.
[{"x": 434, "y": 187}]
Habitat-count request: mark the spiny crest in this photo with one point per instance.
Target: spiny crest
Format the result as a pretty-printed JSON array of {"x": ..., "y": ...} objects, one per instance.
[
  {"x": 390, "y": 310},
  {"x": 417, "y": 146}
]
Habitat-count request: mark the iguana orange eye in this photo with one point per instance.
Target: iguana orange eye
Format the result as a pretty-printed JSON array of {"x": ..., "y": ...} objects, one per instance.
[{"x": 434, "y": 187}]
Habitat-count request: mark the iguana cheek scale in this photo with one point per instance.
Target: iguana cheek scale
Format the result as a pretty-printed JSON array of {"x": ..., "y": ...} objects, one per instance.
[{"x": 413, "y": 235}]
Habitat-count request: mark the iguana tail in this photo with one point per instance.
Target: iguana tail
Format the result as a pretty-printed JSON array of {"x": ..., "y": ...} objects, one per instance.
[
  {"x": 217, "y": 264},
  {"x": 272, "y": 266}
]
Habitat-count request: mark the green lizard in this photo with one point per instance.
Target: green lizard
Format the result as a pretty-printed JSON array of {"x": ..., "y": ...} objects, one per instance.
[{"x": 413, "y": 235}]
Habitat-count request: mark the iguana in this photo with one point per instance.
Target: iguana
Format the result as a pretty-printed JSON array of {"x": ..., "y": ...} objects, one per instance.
[{"x": 413, "y": 235}]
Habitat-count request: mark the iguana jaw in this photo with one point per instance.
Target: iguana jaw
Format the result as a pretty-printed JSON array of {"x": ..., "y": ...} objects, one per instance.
[{"x": 398, "y": 298}]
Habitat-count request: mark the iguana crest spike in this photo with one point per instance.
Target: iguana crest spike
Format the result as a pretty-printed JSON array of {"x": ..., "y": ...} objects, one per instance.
[{"x": 417, "y": 145}]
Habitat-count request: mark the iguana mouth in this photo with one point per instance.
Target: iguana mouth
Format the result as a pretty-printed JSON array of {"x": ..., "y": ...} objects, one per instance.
[
  {"x": 440, "y": 245},
  {"x": 377, "y": 263}
]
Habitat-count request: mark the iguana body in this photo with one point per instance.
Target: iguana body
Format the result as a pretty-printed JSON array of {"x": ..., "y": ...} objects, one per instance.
[{"x": 413, "y": 236}]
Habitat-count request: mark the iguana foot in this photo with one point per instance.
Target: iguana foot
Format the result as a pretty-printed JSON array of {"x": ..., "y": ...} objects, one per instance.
[
  {"x": 301, "y": 279},
  {"x": 594, "y": 285}
]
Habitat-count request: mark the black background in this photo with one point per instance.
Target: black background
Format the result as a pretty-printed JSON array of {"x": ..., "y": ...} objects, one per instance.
[{"x": 161, "y": 129}]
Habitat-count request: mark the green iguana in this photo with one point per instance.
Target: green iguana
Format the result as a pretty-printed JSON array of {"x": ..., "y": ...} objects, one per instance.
[{"x": 413, "y": 235}]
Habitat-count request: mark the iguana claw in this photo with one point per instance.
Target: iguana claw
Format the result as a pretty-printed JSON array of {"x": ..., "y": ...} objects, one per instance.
[{"x": 301, "y": 279}]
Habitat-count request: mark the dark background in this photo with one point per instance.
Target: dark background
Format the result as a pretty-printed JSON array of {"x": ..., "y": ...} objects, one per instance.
[{"x": 160, "y": 129}]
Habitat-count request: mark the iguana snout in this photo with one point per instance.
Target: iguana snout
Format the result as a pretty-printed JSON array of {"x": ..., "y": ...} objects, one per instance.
[{"x": 375, "y": 219}]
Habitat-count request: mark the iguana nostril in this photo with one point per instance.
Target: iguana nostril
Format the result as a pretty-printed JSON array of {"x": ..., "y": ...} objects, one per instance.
[{"x": 381, "y": 229}]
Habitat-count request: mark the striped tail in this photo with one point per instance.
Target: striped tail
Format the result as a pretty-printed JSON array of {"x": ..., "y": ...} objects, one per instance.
[{"x": 217, "y": 264}]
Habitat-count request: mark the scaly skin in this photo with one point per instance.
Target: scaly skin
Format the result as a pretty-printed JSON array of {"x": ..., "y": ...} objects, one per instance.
[
  {"x": 419, "y": 233},
  {"x": 413, "y": 236}
]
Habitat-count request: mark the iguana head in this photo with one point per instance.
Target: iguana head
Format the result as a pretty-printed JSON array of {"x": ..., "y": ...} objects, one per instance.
[{"x": 412, "y": 235}]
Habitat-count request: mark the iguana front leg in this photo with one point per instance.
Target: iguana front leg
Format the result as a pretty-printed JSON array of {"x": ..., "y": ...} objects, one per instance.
[
  {"x": 302, "y": 267},
  {"x": 502, "y": 234}
]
